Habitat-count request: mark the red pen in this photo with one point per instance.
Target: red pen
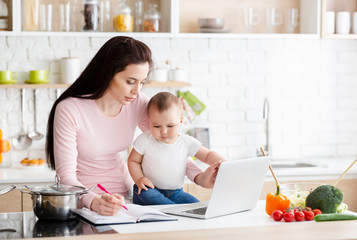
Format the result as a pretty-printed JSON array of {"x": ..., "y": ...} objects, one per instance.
[{"x": 105, "y": 190}]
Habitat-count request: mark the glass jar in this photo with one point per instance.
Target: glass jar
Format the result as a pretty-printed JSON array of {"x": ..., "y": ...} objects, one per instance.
[
  {"x": 152, "y": 19},
  {"x": 91, "y": 15},
  {"x": 123, "y": 19}
]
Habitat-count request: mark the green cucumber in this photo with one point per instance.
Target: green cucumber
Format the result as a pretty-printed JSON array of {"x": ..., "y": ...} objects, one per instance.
[{"x": 334, "y": 217}]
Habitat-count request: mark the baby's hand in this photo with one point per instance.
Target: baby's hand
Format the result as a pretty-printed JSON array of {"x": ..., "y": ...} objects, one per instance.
[{"x": 143, "y": 183}]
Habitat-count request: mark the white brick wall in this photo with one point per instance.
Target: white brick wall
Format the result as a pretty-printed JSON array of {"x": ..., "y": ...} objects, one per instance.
[{"x": 311, "y": 85}]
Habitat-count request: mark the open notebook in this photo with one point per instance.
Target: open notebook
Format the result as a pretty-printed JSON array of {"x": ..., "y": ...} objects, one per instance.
[{"x": 134, "y": 214}]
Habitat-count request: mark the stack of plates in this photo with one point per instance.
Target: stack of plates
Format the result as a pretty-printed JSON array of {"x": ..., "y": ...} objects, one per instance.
[
  {"x": 212, "y": 25},
  {"x": 37, "y": 81},
  {"x": 213, "y": 30}
]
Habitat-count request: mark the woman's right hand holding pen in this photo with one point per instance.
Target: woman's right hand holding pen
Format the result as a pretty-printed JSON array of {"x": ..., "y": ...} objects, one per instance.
[{"x": 107, "y": 205}]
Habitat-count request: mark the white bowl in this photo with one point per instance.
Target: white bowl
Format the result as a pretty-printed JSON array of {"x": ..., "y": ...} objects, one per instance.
[{"x": 217, "y": 23}]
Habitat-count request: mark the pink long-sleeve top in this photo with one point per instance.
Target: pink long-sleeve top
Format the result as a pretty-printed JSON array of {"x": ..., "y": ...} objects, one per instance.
[{"x": 87, "y": 144}]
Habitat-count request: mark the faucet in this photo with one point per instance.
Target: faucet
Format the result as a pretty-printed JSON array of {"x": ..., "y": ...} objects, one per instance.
[{"x": 267, "y": 147}]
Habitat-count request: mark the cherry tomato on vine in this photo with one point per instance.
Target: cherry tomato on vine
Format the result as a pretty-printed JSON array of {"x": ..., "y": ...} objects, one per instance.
[
  {"x": 288, "y": 216},
  {"x": 317, "y": 211},
  {"x": 277, "y": 215},
  {"x": 299, "y": 216}
]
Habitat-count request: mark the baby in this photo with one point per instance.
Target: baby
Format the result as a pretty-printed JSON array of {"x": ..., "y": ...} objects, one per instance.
[{"x": 157, "y": 162}]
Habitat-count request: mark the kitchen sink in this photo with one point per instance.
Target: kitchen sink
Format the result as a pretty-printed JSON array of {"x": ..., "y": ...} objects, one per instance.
[{"x": 296, "y": 164}]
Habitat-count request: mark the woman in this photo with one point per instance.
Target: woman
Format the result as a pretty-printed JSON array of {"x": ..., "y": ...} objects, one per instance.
[{"x": 95, "y": 119}]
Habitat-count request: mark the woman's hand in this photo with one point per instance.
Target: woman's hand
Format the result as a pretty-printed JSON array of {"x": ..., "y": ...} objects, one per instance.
[
  {"x": 107, "y": 205},
  {"x": 207, "y": 178},
  {"x": 143, "y": 183}
]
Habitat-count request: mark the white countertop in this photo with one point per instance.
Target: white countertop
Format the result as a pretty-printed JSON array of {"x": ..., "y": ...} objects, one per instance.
[
  {"x": 332, "y": 170},
  {"x": 26, "y": 175},
  {"x": 253, "y": 218}
]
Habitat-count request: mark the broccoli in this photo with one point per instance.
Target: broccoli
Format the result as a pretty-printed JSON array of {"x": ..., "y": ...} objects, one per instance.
[{"x": 327, "y": 198}]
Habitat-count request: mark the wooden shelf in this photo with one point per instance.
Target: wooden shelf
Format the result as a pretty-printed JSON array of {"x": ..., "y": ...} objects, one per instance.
[{"x": 62, "y": 85}]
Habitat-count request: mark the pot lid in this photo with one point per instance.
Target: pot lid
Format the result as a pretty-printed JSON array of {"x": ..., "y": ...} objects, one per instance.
[{"x": 58, "y": 189}]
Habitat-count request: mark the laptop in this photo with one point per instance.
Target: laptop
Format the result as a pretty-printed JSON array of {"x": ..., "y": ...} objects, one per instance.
[{"x": 237, "y": 188}]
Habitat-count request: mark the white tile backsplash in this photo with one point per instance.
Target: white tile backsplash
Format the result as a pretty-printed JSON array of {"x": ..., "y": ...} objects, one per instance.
[{"x": 311, "y": 85}]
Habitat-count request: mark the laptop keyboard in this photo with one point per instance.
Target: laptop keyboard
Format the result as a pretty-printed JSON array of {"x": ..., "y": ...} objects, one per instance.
[{"x": 198, "y": 211}]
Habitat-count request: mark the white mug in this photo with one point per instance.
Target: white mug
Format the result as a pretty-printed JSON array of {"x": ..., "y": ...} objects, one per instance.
[
  {"x": 343, "y": 22},
  {"x": 330, "y": 22},
  {"x": 273, "y": 19},
  {"x": 292, "y": 19},
  {"x": 71, "y": 69},
  {"x": 251, "y": 18},
  {"x": 354, "y": 23}
]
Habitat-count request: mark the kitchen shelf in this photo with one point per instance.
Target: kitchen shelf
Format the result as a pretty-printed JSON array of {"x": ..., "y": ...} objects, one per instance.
[
  {"x": 336, "y": 6},
  {"x": 61, "y": 85},
  {"x": 179, "y": 19}
]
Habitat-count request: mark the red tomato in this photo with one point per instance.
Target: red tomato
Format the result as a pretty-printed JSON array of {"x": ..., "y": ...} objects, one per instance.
[
  {"x": 277, "y": 215},
  {"x": 288, "y": 216},
  {"x": 317, "y": 211},
  {"x": 309, "y": 215},
  {"x": 299, "y": 216}
]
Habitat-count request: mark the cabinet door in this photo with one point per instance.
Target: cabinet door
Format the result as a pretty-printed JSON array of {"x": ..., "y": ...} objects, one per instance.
[{"x": 12, "y": 202}]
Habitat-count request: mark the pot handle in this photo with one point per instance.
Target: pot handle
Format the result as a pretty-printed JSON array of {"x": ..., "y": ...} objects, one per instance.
[
  {"x": 85, "y": 191},
  {"x": 25, "y": 189},
  {"x": 6, "y": 190}
]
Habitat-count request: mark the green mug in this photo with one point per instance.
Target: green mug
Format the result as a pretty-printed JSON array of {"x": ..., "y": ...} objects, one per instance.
[
  {"x": 7, "y": 75},
  {"x": 39, "y": 75}
]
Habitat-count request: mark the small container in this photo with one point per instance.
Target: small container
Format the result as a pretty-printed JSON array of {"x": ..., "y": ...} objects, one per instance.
[
  {"x": 152, "y": 19},
  {"x": 91, "y": 15},
  {"x": 123, "y": 19}
]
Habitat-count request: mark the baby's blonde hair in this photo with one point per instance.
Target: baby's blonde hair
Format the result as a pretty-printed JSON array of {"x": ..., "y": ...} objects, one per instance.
[{"x": 163, "y": 101}]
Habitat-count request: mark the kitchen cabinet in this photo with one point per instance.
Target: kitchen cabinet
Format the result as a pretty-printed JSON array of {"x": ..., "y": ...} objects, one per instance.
[
  {"x": 179, "y": 18},
  {"x": 15, "y": 201},
  {"x": 336, "y": 6}
]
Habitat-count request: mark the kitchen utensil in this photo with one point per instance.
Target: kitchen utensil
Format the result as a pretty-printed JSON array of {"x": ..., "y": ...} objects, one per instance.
[
  {"x": 105, "y": 190},
  {"x": 271, "y": 169},
  {"x": 6, "y": 190},
  {"x": 35, "y": 135},
  {"x": 344, "y": 173},
  {"x": 7, "y": 230},
  {"x": 22, "y": 141},
  {"x": 56, "y": 202}
]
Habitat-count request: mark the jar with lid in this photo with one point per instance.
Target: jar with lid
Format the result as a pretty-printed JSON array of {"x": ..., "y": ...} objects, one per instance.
[
  {"x": 91, "y": 15},
  {"x": 152, "y": 19},
  {"x": 123, "y": 19}
]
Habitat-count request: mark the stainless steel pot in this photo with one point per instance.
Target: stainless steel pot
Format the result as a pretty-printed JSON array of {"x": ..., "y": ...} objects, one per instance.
[{"x": 56, "y": 202}]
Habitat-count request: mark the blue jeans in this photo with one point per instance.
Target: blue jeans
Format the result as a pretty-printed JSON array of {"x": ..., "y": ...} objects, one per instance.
[{"x": 157, "y": 196}]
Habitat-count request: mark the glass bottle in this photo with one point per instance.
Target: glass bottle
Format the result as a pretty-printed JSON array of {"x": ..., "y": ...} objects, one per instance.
[
  {"x": 91, "y": 15},
  {"x": 123, "y": 18},
  {"x": 138, "y": 15},
  {"x": 152, "y": 19}
]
